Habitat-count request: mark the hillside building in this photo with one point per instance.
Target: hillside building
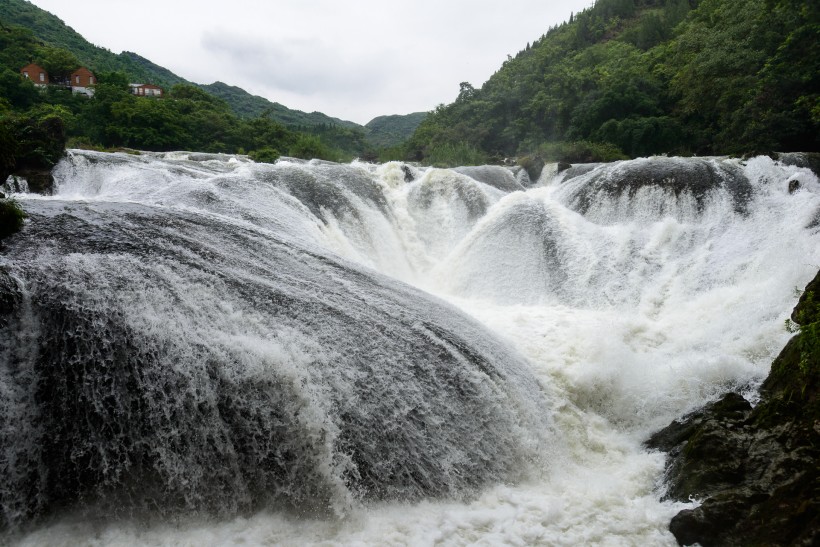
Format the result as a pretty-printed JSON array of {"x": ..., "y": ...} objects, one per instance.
[
  {"x": 146, "y": 90},
  {"x": 82, "y": 81},
  {"x": 36, "y": 74}
]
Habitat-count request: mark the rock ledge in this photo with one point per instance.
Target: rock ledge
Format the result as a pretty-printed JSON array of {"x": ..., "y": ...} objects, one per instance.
[{"x": 756, "y": 469}]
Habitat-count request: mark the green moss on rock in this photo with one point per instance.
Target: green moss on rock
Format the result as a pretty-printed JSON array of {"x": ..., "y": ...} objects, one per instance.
[{"x": 11, "y": 217}]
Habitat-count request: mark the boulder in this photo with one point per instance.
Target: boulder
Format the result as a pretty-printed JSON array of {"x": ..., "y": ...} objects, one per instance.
[
  {"x": 408, "y": 173},
  {"x": 39, "y": 179},
  {"x": 809, "y": 160},
  {"x": 533, "y": 165},
  {"x": 755, "y": 469}
]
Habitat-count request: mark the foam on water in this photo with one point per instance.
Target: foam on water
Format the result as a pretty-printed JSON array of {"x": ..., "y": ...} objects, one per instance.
[{"x": 635, "y": 291}]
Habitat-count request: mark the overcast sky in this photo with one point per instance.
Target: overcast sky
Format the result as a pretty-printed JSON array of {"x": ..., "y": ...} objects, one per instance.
[{"x": 354, "y": 59}]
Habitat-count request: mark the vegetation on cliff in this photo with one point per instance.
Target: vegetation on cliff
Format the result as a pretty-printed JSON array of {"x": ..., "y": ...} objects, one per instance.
[
  {"x": 31, "y": 143},
  {"x": 647, "y": 77}
]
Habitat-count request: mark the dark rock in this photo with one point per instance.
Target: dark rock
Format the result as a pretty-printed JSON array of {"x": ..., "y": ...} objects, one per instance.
[
  {"x": 408, "y": 173},
  {"x": 492, "y": 175},
  {"x": 703, "y": 524},
  {"x": 755, "y": 469},
  {"x": 704, "y": 448},
  {"x": 794, "y": 185},
  {"x": 809, "y": 160},
  {"x": 533, "y": 165},
  {"x": 577, "y": 170},
  {"x": 521, "y": 176},
  {"x": 698, "y": 177},
  {"x": 10, "y": 296},
  {"x": 563, "y": 166},
  {"x": 39, "y": 179}
]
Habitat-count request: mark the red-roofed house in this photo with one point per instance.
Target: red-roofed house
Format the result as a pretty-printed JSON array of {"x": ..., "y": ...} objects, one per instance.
[
  {"x": 82, "y": 80},
  {"x": 36, "y": 74}
]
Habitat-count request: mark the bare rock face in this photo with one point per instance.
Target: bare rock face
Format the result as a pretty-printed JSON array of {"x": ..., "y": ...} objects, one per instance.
[
  {"x": 39, "y": 179},
  {"x": 756, "y": 469}
]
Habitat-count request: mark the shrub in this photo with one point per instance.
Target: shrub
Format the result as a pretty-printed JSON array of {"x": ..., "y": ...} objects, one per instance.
[
  {"x": 309, "y": 147},
  {"x": 83, "y": 143},
  {"x": 392, "y": 153},
  {"x": 454, "y": 155},
  {"x": 264, "y": 155}
]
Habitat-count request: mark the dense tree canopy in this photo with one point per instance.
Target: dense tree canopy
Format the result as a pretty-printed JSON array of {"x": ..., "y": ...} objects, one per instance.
[
  {"x": 188, "y": 118},
  {"x": 345, "y": 137},
  {"x": 648, "y": 77}
]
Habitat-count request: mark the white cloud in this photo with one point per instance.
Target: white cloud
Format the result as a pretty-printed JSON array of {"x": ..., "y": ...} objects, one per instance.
[{"x": 296, "y": 65}]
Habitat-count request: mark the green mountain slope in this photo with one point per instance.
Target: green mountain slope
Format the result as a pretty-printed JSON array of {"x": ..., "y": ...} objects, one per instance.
[
  {"x": 250, "y": 106},
  {"x": 385, "y": 131},
  {"x": 36, "y": 122},
  {"x": 53, "y": 31},
  {"x": 647, "y": 77}
]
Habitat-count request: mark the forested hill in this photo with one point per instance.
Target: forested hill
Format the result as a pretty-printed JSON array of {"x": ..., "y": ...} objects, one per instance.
[
  {"x": 250, "y": 106},
  {"x": 54, "y": 32},
  {"x": 393, "y": 130},
  {"x": 36, "y": 123},
  {"x": 643, "y": 77}
]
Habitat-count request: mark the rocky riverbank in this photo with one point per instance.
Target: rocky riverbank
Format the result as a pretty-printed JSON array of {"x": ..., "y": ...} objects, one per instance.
[{"x": 754, "y": 468}]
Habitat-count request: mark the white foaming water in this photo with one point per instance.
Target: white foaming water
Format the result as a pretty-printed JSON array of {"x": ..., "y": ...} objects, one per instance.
[{"x": 631, "y": 304}]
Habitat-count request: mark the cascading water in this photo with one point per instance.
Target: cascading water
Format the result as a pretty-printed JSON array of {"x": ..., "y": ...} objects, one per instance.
[{"x": 199, "y": 349}]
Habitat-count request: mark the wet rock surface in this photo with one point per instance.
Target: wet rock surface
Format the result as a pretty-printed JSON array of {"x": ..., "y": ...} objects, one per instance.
[
  {"x": 698, "y": 177},
  {"x": 336, "y": 392},
  {"x": 810, "y": 160},
  {"x": 492, "y": 175},
  {"x": 755, "y": 469},
  {"x": 40, "y": 180}
]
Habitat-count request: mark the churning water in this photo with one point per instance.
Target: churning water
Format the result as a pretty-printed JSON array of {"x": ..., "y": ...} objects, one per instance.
[{"x": 197, "y": 349}]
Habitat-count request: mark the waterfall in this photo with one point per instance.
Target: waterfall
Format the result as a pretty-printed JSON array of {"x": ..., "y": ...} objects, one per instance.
[{"x": 375, "y": 346}]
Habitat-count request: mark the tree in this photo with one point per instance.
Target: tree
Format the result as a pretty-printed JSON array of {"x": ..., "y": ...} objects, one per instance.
[
  {"x": 19, "y": 92},
  {"x": 58, "y": 62},
  {"x": 466, "y": 91},
  {"x": 309, "y": 147}
]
